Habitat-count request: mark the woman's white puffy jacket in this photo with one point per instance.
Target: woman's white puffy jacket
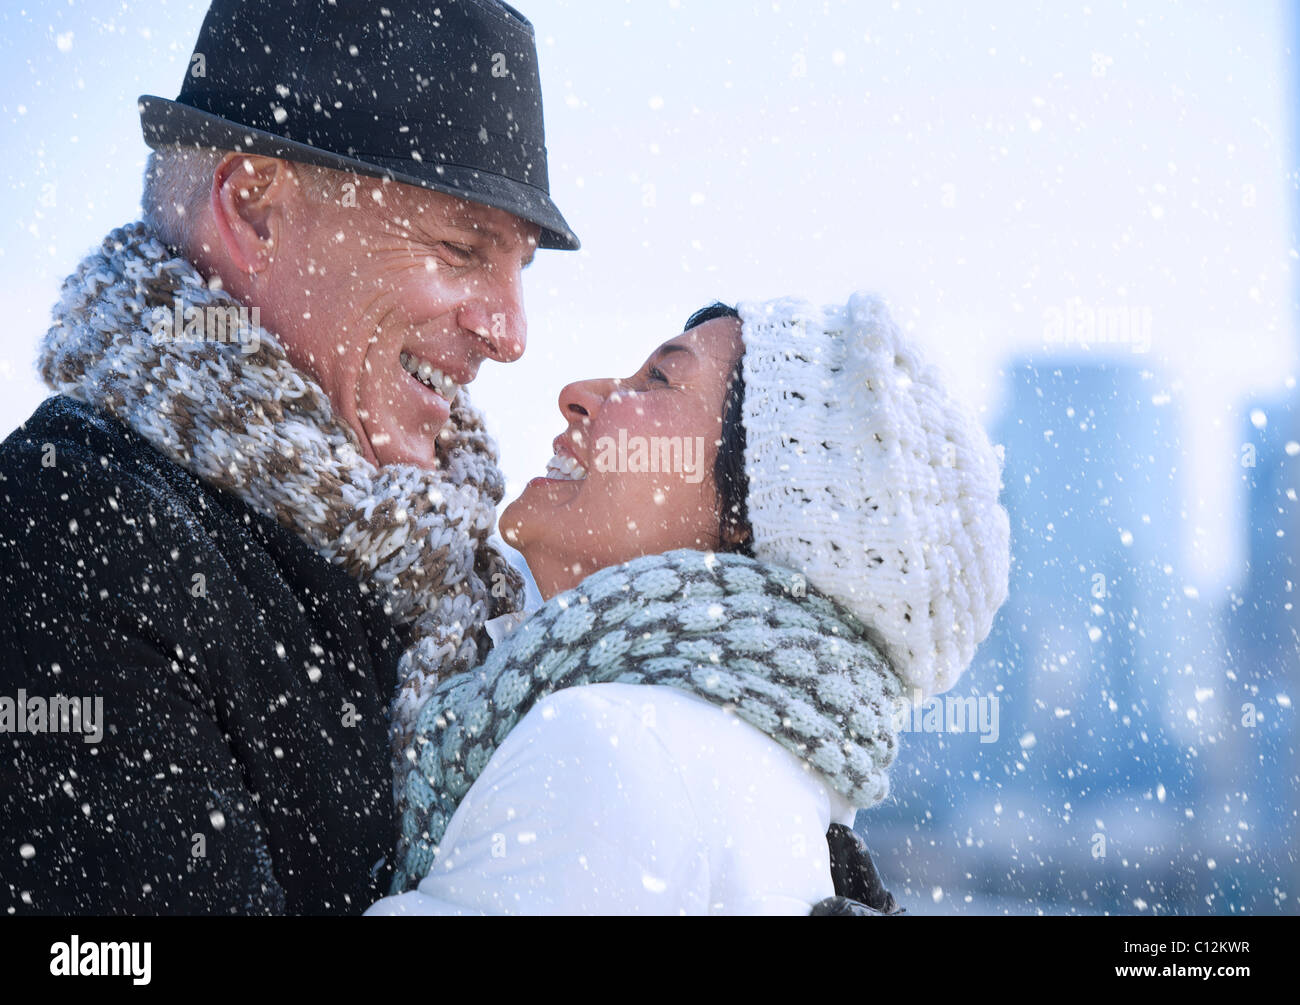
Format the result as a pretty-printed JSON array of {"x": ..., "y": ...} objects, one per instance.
[{"x": 634, "y": 799}]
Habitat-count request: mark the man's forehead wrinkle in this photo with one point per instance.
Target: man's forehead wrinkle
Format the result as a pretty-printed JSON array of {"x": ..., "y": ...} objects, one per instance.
[{"x": 400, "y": 225}]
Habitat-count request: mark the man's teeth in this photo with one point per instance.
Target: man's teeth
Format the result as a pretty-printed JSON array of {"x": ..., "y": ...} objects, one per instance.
[
  {"x": 565, "y": 469},
  {"x": 426, "y": 373}
]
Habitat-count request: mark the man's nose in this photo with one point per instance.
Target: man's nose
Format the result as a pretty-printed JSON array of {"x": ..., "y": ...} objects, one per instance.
[{"x": 496, "y": 315}]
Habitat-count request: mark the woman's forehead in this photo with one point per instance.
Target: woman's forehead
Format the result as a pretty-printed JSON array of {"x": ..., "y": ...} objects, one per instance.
[{"x": 718, "y": 339}]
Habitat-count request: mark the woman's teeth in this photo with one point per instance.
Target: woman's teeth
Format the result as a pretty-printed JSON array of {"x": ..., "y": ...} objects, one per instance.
[
  {"x": 426, "y": 373},
  {"x": 565, "y": 469}
]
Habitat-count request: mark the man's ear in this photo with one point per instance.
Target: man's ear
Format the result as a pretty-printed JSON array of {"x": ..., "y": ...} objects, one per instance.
[{"x": 249, "y": 197}]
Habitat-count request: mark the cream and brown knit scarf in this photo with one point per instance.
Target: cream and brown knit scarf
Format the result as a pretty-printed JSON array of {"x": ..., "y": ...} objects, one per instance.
[{"x": 239, "y": 416}]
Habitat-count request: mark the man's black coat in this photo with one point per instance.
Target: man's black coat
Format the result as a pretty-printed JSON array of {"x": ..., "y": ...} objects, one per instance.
[{"x": 244, "y": 763}]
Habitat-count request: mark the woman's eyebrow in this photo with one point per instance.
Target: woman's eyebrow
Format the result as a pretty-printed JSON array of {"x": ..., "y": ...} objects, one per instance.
[{"x": 666, "y": 350}]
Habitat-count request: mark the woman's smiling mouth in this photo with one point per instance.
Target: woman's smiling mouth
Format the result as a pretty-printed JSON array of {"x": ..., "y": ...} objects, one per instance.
[{"x": 564, "y": 468}]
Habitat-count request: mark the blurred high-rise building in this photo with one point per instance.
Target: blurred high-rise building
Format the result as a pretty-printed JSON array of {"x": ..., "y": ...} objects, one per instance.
[
  {"x": 1262, "y": 624},
  {"x": 1106, "y": 662}
]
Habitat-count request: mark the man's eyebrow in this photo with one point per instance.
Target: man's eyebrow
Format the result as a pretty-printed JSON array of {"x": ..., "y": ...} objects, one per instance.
[{"x": 468, "y": 225}]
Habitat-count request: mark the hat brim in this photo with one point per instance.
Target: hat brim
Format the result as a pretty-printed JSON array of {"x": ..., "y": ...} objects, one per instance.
[{"x": 165, "y": 122}]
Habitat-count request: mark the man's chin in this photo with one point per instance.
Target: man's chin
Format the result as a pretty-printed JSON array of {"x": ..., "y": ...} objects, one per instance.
[
  {"x": 402, "y": 427},
  {"x": 404, "y": 448},
  {"x": 408, "y": 439}
]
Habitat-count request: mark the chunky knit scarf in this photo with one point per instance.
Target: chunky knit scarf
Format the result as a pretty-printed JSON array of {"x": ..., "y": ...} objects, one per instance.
[
  {"x": 741, "y": 633},
  {"x": 251, "y": 424}
]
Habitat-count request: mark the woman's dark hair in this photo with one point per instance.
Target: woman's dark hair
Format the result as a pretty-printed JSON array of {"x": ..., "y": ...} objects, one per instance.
[{"x": 729, "y": 468}]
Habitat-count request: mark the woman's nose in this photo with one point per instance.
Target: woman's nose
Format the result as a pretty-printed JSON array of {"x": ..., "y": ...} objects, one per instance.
[{"x": 582, "y": 400}]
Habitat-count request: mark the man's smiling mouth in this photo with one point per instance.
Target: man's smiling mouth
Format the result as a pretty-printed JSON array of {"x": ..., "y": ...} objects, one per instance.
[{"x": 429, "y": 375}]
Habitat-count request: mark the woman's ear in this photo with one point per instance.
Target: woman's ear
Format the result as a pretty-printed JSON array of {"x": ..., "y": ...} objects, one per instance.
[{"x": 734, "y": 536}]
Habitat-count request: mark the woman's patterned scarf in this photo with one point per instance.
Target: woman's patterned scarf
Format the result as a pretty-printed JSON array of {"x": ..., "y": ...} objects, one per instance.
[{"x": 744, "y": 634}]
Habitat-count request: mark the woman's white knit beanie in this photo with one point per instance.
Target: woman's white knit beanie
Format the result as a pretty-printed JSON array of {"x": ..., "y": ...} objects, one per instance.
[{"x": 868, "y": 479}]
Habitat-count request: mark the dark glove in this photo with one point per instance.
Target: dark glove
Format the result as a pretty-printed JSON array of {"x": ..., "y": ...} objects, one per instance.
[{"x": 859, "y": 892}]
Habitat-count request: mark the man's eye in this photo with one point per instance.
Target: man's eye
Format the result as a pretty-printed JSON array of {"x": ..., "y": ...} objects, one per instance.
[{"x": 457, "y": 253}]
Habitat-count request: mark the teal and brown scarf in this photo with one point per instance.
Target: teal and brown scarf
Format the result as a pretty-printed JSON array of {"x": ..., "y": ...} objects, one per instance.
[{"x": 744, "y": 634}]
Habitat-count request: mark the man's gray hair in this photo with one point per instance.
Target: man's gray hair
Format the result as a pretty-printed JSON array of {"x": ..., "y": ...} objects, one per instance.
[
  {"x": 177, "y": 183},
  {"x": 177, "y": 180}
]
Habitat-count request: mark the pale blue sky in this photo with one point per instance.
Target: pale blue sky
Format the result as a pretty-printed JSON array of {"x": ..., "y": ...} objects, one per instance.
[{"x": 980, "y": 165}]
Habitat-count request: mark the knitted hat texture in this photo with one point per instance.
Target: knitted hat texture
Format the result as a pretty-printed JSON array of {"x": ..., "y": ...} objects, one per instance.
[{"x": 866, "y": 477}]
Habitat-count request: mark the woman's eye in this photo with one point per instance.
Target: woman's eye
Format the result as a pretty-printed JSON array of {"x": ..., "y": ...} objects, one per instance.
[{"x": 657, "y": 374}]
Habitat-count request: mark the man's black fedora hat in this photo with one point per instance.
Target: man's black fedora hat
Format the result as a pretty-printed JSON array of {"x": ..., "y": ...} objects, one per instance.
[{"x": 443, "y": 94}]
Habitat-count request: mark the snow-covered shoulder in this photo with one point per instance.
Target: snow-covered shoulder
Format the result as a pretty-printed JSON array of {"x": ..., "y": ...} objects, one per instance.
[{"x": 633, "y": 799}]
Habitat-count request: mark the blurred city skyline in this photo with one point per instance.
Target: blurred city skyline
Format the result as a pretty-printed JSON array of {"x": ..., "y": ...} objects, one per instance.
[{"x": 1147, "y": 755}]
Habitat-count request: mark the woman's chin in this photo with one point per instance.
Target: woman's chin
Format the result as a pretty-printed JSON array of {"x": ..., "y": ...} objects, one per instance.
[
  {"x": 512, "y": 524},
  {"x": 524, "y": 522},
  {"x": 536, "y": 511}
]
